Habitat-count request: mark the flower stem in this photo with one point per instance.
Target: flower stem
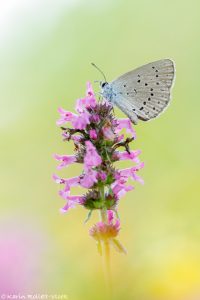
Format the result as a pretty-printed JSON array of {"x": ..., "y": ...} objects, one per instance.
[{"x": 106, "y": 248}]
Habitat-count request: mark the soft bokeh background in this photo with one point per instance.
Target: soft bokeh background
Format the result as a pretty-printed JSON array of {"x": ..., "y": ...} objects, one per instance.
[{"x": 45, "y": 52}]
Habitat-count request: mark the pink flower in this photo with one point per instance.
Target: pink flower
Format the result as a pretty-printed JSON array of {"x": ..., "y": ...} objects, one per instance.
[
  {"x": 101, "y": 175},
  {"x": 68, "y": 205},
  {"x": 64, "y": 193},
  {"x": 92, "y": 158},
  {"x": 120, "y": 138},
  {"x": 72, "y": 202},
  {"x": 66, "y": 116},
  {"x": 102, "y": 231},
  {"x": 57, "y": 179},
  {"x": 88, "y": 101},
  {"x": 137, "y": 178},
  {"x": 75, "y": 138},
  {"x": 125, "y": 123},
  {"x": 93, "y": 134},
  {"x": 120, "y": 189},
  {"x": 90, "y": 92},
  {"x": 81, "y": 121},
  {"x": 108, "y": 132},
  {"x": 76, "y": 198},
  {"x": 65, "y": 159},
  {"x": 89, "y": 179},
  {"x": 71, "y": 182},
  {"x": 77, "y": 121},
  {"x": 126, "y": 156},
  {"x": 131, "y": 172},
  {"x": 110, "y": 216},
  {"x": 95, "y": 118}
]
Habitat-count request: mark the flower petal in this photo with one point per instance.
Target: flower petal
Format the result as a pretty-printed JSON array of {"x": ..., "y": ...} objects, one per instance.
[
  {"x": 65, "y": 159},
  {"x": 92, "y": 158},
  {"x": 125, "y": 155},
  {"x": 125, "y": 123}
]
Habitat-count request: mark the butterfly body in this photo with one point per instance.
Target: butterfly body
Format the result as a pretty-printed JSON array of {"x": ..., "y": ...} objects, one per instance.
[{"x": 144, "y": 92}]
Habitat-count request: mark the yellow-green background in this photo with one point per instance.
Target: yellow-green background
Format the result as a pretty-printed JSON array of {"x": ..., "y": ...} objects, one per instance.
[{"x": 46, "y": 48}]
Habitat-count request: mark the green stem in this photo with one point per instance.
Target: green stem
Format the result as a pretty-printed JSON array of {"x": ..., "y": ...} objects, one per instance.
[{"x": 106, "y": 246}]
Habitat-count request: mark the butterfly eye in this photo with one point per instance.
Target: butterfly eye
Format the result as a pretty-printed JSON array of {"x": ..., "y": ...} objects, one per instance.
[{"x": 103, "y": 84}]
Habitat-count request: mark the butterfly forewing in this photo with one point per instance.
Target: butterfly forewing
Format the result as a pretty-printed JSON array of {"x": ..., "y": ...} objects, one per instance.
[{"x": 145, "y": 91}]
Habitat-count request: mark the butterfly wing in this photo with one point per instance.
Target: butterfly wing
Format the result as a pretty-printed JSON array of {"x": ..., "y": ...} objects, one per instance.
[{"x": 144, "y": 92}]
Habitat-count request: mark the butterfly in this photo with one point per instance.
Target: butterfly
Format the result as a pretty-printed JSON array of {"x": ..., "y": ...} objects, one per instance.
[{"x": 142, "y": 93}]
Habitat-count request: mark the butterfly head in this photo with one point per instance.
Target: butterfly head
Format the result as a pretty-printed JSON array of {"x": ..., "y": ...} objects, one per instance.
[{"x": 103, "y": 84}]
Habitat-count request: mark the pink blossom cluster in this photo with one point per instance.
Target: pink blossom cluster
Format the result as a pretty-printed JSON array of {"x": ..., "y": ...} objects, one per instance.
[{"x": 97, "y": 137}]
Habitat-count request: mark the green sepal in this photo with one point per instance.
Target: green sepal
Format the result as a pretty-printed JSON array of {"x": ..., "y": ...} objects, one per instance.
[
  {"x": 88, "y": 217},
  {"x": 93, "y": 204},
  {"x": 109, "y": 203},
  {"x": 118, "y": 246},
  {"x": 110, "y": 179}
]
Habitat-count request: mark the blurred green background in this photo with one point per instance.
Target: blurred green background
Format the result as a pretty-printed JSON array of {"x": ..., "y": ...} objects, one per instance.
[{"x": 46, "y": 48}]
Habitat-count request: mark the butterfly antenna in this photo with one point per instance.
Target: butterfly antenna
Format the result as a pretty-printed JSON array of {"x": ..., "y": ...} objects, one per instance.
[{"x": 99, "y": 71}]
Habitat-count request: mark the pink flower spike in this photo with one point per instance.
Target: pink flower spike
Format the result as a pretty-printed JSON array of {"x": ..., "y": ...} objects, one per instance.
[
  {"x": 93, "y": 134},
  {"x": 125, "y": 155},
  {"x": 126, "y": 123},
  {"x": 99, "y": 140},
  {"x": 65, "y": 159},
  {"x": 92, "y": 158}
]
